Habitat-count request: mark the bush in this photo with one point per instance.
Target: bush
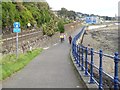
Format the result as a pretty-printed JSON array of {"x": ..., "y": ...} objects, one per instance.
[
  {"x": 61, "y": 26},
  {"x": 27, "y": 12}
]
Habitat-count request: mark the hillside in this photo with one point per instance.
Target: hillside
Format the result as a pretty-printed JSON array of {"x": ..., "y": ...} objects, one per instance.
[{"x": 36, "y": 13}]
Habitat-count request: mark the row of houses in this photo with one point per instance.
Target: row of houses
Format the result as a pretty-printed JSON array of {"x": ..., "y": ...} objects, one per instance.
[
  {"x": 90, "y": 19},
  {"x": 86, "y": 18}
]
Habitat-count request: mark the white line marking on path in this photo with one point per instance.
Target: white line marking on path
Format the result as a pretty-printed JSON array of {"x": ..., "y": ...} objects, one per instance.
[
  {"x": 55, "y": 44},
  {"x": 78, "y": 86},
  {"x": 46, "y": 48}
]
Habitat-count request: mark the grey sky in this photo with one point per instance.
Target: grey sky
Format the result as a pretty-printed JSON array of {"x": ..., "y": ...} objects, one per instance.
[{"x": 98, "y": 7}]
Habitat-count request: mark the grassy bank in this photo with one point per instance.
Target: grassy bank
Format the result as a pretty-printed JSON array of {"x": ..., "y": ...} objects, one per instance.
[{"x": 9, "y": 64}]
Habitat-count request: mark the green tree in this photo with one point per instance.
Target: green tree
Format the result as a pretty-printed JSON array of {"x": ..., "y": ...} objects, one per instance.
[{"x": 61, "y": 26}]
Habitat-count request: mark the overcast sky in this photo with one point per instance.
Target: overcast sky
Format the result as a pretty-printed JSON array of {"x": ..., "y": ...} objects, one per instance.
[{"x": 97, "y": 7}]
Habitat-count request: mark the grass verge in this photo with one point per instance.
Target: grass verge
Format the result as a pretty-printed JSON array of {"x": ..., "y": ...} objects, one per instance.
[{"x": 9, "y": 64}]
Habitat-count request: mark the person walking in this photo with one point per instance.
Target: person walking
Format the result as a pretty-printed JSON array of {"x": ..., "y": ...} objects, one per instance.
[
  {"x": 70, "y": 39},
  {"x": 62, "y": 38}
]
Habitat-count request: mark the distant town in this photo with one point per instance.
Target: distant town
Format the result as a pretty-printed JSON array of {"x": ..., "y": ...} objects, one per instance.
[{"x": 78, "y": 16}]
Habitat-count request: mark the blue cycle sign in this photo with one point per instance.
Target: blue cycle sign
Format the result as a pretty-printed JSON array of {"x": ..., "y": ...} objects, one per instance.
[
  {"x": 16, "y": 30},
  {"x": 16, "y": 26}
]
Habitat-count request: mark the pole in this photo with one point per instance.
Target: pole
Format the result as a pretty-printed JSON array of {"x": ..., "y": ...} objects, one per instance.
[
  {"x": 17, "y": 45},
  {"x": 100, "y": 71},
  {"x": 91, "y": 67},
  {"x": 116, "y": 60},
  {"x": 86, "y": 61},
  {"x": 82, "y": 59}
]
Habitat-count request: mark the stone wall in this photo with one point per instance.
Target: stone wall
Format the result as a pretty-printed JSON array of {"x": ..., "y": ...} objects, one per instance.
[{"x": 33, "y": 39}]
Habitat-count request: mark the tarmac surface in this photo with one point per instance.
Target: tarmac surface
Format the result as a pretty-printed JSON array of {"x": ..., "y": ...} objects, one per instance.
[{"x": 53, "y": 68}]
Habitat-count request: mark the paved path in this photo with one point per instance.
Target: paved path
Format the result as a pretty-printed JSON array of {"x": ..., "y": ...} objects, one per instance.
[{"x": 51, "y": 69}]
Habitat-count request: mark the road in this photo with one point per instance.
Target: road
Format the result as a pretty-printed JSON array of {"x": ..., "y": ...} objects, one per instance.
[{"x": 51, "y": 69}]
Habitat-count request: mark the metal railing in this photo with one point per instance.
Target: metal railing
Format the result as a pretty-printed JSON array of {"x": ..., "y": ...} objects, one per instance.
[{"x": 80, "y": 54}]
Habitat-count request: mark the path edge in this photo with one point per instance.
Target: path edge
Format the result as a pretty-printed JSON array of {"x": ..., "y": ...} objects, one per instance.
[{"x": 84, "y": 79}]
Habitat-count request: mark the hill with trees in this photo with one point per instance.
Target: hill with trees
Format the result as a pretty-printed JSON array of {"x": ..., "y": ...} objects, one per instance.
[
  {"x": 36, "y": 13},
  {"x": 64, "y": 13}
]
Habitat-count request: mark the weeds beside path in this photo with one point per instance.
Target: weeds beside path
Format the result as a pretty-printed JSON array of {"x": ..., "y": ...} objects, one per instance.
[{"x": 10, "y": 65}]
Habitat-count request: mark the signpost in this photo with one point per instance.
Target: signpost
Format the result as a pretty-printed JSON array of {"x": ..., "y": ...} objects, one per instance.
[{"x": 16, "y": 30}]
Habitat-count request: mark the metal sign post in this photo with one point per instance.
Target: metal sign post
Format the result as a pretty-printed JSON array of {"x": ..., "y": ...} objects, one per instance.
[
  {"x": 16, "y": 30},
  {"x": 17, "y": 45}
]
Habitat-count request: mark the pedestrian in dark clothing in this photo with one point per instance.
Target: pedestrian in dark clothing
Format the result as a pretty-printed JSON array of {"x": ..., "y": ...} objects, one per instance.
[{"x": 70, "y": 39}]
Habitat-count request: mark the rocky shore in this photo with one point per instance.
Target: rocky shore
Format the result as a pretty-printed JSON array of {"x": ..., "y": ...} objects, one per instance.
[{"x": 105, "y": 38}]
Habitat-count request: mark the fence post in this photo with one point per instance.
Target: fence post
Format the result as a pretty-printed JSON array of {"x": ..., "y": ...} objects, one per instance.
[
  {"x": 79, "y": 55},
  {"x": 76, "y": 54},
  {"x": 116, "y": 60},
  {"x": 100, "y": 71},
  {"x": 82, "y": 59},
  {"x": 74, "y": 51},
  {"x": 86, "y": 62},
  {"x": 72, "y": 48},
  {"x": 91, "y": 67}
]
